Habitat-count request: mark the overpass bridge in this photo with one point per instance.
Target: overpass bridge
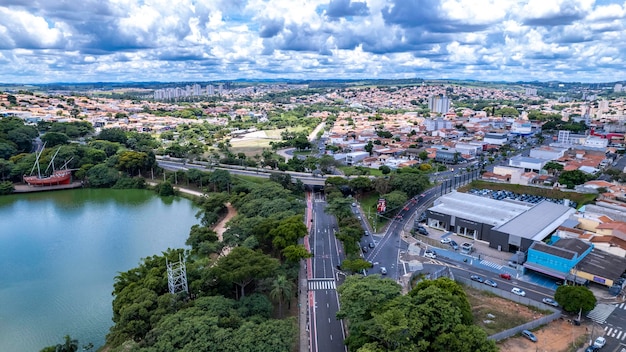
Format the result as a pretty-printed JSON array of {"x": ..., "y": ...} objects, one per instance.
[{"x": 306, "y": 178}]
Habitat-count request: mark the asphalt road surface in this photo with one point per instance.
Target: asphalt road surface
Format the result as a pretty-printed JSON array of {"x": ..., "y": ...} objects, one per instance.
[{"x": 327, "y": 332}]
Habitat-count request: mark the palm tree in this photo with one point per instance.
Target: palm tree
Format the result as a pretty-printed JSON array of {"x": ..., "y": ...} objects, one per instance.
[{"x": 282, "y": 290}]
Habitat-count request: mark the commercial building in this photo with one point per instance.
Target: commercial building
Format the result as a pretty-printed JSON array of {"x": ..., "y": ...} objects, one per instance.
[
  {"x": 506, "y": 225},
  {"x": 575, "y": 261},
  {"x": 527, "y": 163},
  {"x": 524, "y": 228},
  {"x": 547, "y": 153},
  {"x": 521, "y": 128},
  {"x": 496, "y": 138}
]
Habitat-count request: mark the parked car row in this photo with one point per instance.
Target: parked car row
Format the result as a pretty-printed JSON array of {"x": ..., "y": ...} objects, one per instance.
[{"x": 529, "y": 198}]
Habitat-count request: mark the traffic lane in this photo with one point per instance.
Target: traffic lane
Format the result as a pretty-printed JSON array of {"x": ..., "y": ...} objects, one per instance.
[
  {"x": 329, "y": 330},
  {"x": 322, "y": 266},
  {"x": 534, "y": 292},
  {"x": 324, "y": 248},
  {"x": 386, "y": 255}
]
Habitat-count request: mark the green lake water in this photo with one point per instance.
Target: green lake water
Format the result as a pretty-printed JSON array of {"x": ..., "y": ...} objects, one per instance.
[{"x": 60, "y": 252}]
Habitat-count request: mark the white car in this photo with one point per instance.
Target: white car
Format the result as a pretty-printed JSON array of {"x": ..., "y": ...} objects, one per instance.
[
  {"x": 599, "y": 342},
  {"x": 430, "y": 254},
  {"x": 383, "y": 270},
  {"x": 550, "y": 301},
  {"x": 446, "y": 240},
  {"x": 518, "y": 291}
]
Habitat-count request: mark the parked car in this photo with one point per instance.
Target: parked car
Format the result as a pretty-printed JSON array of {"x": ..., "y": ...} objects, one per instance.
[
  {"x": 505, "y": 276},
  {"x": 365, "y": 249},
  {"x": 430, "y": 254},
  {"x": 354, "y": 204},
  {"x": 550, "y": 301},
  {"x": 383, "y": 270},
  {"x": 599, "y": 342},
  {"x": 372, "y": 245},
  {"x": 491, "y": 283},
  {"x": 518, "y": 291},
  {"x": 592, "y": 348},
  {"x": 445, "y": 240},
  {"x": 454, "y": 245},
  {"x": 529, "y": 335},
  {"x": 422, "y": 231},
  {"x": 476, "y": 278}
]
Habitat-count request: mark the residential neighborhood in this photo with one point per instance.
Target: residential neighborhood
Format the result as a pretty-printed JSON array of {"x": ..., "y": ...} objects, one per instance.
[{"x": 472, "y": 144}]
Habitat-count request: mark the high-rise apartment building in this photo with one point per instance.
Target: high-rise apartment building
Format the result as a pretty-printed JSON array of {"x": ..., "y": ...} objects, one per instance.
[
  {"x": 439, "y": 104},
  {"x": 531, "y": 92}
]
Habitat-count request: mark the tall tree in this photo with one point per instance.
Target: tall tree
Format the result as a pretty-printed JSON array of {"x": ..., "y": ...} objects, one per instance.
[
  {"x": 288, "y": 232},
  {"x": 242, "y": 266},
  {"x": 282, "y": 290},
  {"x": 369, "y": 147},
  {"x": 295, "y": 253},
  {"x": 575, "y": 298},
  {"x": 409, "y": 183},
  {"x": 361, "y": 295},
  {"x": 340, "y": 208},
  {"x": 113, "y": 135},
  {"x": 553, "y": 166}
]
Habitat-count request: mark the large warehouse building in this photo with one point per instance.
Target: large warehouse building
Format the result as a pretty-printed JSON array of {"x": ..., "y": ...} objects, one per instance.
[{"x": 506, "y": 225}]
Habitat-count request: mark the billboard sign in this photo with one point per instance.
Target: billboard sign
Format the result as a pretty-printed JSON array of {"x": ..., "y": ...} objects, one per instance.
[{"x": 382, "y": 205}]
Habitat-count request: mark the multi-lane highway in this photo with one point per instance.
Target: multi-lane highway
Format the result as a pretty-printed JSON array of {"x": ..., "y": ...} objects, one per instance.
[{"x": 326, "y": 331}]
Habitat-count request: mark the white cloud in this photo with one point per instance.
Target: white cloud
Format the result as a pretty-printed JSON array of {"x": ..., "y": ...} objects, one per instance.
[
  {"x": 22, "y": 29},
  {"x": 608, "y": 12},
  {"x": 477, "y": 11},
  {"x": 218, "y": 39}
]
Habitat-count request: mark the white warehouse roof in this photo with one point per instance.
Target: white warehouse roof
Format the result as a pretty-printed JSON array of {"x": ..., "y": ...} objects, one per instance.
[{"x": 480, "y": 209}]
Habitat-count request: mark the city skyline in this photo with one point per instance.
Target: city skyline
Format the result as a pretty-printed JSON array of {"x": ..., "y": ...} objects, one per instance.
[{"x": 193, "y": 40}]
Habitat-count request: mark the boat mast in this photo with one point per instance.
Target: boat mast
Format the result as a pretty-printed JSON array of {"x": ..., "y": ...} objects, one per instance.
[
  {"x": 38, "y": 154},
  {"x": 52, "y": 161}
]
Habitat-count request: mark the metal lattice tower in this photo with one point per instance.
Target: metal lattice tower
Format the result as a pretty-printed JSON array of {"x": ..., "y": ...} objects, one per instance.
[{"x": 177, "y": 276}]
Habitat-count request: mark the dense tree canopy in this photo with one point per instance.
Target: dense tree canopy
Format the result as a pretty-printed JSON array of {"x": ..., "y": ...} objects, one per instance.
[
  {"x": 432, "y": 317},
  {"x": 575, "y": 298},
  {"x": 573, "y": 177}
]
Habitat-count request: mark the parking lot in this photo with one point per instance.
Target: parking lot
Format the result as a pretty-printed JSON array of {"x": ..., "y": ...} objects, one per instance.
[
  {"x": 481, "y": 255},
  {"x": 528, "y": 198}
]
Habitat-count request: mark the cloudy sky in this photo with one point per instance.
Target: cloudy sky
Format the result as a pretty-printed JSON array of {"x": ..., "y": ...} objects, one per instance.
[{"x": 203, "y": 40}]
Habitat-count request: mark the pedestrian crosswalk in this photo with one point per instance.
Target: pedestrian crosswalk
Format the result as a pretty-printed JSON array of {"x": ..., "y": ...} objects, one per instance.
[
  {"x": 601, "y": 312},
  {"x": 490, "y": 264},
  {"x": 437, "y": 262},
  {"x": 615, "y": 333},
  {"x": 322, "y": 284},
  {"x": 620, "y": 305}
]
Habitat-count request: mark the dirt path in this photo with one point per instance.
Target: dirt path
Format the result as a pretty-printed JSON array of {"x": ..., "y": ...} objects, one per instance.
[{"x": 220, "y": 227}]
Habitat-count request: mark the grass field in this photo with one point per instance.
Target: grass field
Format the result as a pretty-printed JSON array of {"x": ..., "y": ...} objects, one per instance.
[
  {"x": 368, "y": 204},
  {"x": 351, "y": 170},
  {"x": 254, "y": 145}
]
